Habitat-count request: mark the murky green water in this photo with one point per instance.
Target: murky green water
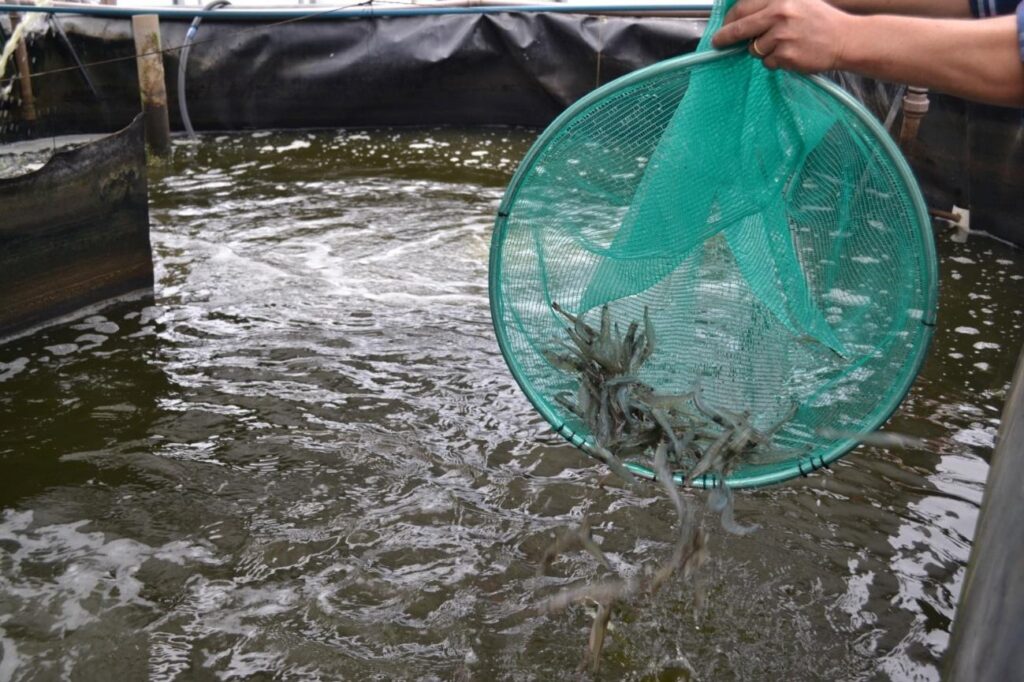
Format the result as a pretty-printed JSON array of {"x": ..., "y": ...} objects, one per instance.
[{"x": 305, "y": 458}]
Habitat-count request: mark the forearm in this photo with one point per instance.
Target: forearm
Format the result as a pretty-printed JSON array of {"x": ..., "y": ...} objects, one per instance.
[
  {"x": 973, "y": 59},
  {"x": 915, "y": 8}
]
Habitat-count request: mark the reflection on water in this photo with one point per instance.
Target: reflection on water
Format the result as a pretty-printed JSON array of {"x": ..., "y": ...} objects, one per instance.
[{"x": 306, "y": 459}]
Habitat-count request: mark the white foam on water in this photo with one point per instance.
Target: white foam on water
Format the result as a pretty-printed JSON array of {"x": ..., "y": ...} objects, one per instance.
[
  {"x": 292, "y": 146},
  {"x": 98, "y": 324},
  {"x": 10, "y": 661},
  {"x": 857, "y": 595},
  {"x": 86, "y": 576},
  {"x": 977, "y": 435},
  {"x": 62, "y": 348},
  {"x": 439, "y": 238},
  {"x": 845, "y": 297},
  {"x": 10, "y": 369},
  {"x": 94, "y": 339},
  {"x": 962, "y": 259},
  {"x": 970, "y": 331},
  {"x": 986, "y": 345}
]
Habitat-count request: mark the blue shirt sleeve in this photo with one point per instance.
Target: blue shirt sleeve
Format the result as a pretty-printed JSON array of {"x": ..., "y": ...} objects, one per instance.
[
  {"x": 993, "y": 8},
  {"x": 1020, "y": 29}
]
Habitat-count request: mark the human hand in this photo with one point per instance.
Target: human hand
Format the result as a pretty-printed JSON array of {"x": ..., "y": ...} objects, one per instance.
[{"x": 808, "y": 36}]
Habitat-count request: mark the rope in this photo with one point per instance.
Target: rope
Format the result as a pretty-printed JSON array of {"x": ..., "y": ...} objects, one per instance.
[
  {"x": 176, "y": 48},
  {"x": 698, "y": 8}
]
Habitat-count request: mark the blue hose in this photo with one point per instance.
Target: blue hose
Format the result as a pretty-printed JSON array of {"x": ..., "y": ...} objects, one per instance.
[{"x": 183, "y": 63}]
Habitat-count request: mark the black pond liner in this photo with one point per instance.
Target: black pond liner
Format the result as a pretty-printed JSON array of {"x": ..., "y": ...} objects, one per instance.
[
  {"x": 457, "y": 67},
  {"x": 75, "y": 232}
]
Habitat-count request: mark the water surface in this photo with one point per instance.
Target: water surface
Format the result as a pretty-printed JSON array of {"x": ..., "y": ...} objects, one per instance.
[{"x": 304, "y": 458}]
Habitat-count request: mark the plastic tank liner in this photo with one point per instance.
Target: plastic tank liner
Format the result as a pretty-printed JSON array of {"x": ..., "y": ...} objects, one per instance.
[
  {"x": 464, "y": 69},
  {"x": 75, "y": 232}
]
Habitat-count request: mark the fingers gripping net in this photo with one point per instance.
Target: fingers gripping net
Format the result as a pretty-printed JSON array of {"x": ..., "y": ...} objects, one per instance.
[{"x": 759, "y": 226}]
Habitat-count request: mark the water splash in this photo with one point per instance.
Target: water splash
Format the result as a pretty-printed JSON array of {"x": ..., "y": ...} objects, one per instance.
[{"x": 316, "y": 407}]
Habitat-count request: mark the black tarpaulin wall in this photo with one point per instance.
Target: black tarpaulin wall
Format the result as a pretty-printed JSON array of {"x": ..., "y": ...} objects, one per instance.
[
  {"x": 972, "y": 155},
  {"x": 513, "y": 68},
  {"x": 461, "y": 69}
]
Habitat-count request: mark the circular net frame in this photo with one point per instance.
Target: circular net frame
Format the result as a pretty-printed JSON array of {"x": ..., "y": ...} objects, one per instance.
[{"x": 766, "y": 224}]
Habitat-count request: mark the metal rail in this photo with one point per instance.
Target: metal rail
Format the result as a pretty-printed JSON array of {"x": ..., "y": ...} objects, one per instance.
[{"x": 696, "y": 10}]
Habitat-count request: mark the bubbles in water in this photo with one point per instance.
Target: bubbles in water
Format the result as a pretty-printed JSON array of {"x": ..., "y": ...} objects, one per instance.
[{"x": 310, "y": 460}]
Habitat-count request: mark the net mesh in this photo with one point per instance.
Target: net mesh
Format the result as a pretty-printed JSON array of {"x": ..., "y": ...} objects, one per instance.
[{"x": 765, "y": 226}]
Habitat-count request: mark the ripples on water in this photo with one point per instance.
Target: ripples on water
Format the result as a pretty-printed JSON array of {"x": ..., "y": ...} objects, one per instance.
[{"x": 305, "y": 459}]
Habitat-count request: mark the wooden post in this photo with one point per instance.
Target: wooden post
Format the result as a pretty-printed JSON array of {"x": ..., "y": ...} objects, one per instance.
[
  {"x": 28, "y": 100},
  {"x": 150, "y": 62},
  {"x": 915, "y": 106}
]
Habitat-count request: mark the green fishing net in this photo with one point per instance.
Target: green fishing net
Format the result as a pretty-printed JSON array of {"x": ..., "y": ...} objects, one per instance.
[{"x": 765, "y": 225}]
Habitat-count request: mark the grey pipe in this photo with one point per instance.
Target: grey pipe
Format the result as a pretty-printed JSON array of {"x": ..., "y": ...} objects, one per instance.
[{"x": 183, "y": 63}]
